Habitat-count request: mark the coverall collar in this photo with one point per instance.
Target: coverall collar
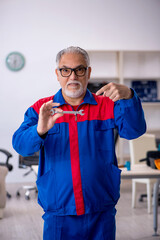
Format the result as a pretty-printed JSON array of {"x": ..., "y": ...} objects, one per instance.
[{"x": 88, "y": 98}]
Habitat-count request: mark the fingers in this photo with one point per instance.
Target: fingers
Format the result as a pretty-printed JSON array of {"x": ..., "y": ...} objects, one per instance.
[
  {"x": 102, "y": 90},
  {"x": 46, "y": 111},
  {"x": 57, "y": 115},
  {"x": 113, "y": 95},
  {"x": 49, "y": 105},
  {"x": 46, "y": 107},
  {"x": 110, "y": 91},
  {"x": 46, "y": 121},
  {"x": 115, "y": 91}
]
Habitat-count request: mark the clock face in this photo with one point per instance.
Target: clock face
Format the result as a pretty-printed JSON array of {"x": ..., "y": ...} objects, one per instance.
[{"x": 15, "y": 61}]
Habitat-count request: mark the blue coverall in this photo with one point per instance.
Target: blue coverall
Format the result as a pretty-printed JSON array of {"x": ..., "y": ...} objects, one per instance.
[{"x": 78, "y": 179}]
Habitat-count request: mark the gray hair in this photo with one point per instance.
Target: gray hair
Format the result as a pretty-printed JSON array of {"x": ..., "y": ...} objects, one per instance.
[{"x": 72, "y": 49}]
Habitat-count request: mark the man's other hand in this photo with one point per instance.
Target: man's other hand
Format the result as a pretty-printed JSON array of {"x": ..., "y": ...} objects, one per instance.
[{"x": 115, "y": 91}]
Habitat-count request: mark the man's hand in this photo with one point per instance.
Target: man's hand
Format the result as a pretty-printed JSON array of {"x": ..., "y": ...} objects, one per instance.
[
  {"x": 46, "y": 120},
  {"x": 115, "y": 91}
]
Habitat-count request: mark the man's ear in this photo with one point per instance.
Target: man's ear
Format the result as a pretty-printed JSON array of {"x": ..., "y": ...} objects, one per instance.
[
  {"x": 56, "y": 72},
  {"x": 89, "y": 72}
]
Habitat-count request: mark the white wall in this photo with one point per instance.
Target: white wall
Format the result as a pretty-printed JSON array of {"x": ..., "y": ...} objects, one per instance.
[{"x": 40, "y": 28}]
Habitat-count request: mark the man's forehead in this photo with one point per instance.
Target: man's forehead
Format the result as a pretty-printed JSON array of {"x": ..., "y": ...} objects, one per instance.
[{"x": 72, "y": 59}]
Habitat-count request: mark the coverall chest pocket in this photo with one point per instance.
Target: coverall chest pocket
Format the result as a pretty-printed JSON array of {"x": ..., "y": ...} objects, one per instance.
[
  {"x": 53, "y": 141},
  {"x": 54, "y": 129},
  {"x": 104, "y": 135}
]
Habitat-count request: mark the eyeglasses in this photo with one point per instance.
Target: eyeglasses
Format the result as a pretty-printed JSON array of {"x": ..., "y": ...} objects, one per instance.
[{"x": 79, "y": 71}]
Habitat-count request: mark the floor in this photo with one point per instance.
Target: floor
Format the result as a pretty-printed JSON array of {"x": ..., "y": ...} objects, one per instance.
[
  {"x": 134, "y": 224},
  {"x": 22, "y": 218}
]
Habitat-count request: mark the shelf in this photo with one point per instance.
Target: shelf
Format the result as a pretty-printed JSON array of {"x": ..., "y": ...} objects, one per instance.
[
  {"x": 142, "y": 78},
  {"x": 156, "y": 130},
  {"x": 124, "y": 67},
  {"x": 103, "y": 79}
]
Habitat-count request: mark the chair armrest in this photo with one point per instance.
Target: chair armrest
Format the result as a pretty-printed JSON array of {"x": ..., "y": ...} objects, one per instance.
[{"x": 8, "y": 154}]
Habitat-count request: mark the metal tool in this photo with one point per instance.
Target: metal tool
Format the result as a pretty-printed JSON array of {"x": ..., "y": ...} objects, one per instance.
[{"x": 80, "y": 112}]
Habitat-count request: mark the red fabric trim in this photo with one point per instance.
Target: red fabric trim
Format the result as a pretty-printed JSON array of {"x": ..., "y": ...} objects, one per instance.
[
  {"x": 75, "y": 166},
  {"x": 36, "y": 106},
  {"x": 102, "y": 111}
]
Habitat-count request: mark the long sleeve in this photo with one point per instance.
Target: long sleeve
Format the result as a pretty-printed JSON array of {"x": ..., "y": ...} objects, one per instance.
[
  {"x": 26, "y": 140},
  {"x": 129, "y": 118}
]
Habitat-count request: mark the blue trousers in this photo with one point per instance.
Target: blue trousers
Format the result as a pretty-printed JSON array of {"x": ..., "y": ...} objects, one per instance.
[{"x": 94, "y": 226}]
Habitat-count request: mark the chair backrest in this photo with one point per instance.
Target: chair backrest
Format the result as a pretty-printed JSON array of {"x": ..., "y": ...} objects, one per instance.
[{"x": 140, "y": 146}]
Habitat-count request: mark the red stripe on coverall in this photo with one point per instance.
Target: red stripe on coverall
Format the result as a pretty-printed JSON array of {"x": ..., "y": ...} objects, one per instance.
[{"x": 75, "y": 166}]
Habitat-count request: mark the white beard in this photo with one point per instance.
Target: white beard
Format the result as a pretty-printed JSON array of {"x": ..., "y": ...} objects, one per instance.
[{"x": 74, "y": 93}]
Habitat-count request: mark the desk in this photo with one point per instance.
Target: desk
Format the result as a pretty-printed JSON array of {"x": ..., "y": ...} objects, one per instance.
[{"x": 143, "y": 171}]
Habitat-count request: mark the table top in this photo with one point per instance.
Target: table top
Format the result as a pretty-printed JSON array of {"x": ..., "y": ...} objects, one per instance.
[
  {"x": 140, "y": 171},
  {"x": 35, "y": 168}
]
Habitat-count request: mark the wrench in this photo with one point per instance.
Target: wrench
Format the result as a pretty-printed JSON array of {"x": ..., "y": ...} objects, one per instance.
[{"x": 68, "y": 112}]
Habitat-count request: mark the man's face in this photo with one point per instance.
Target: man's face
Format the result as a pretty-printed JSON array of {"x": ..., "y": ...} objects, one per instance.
[{"x": 73, "y": 86}]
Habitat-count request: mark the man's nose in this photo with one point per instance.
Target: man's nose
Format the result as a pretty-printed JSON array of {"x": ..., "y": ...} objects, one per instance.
[{"x": 73, "y": 76}]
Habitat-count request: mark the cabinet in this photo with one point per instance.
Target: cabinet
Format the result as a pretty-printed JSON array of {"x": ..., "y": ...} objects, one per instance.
[{"x": 124, "y": 67}]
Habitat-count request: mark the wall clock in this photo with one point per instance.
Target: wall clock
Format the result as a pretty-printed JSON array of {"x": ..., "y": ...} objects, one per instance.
[{"x": 15, "y": 61}]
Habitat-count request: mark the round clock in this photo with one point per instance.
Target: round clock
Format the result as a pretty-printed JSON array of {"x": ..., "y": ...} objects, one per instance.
[{"x": 15, "y": 61}]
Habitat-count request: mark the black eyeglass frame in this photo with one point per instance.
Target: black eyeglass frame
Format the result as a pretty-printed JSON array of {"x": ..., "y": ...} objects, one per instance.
[{"x": 73, "y": 70}]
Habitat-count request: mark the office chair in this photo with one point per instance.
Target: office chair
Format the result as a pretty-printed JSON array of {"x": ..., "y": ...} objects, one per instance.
[
  {"x": 7, "y": 164},
  {"x": 138, "y": 149},
  {"x": 30, "y": 162}
]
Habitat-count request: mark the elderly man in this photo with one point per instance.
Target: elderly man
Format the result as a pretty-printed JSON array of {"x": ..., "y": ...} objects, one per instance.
[{"x": 78, "y": 178}]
